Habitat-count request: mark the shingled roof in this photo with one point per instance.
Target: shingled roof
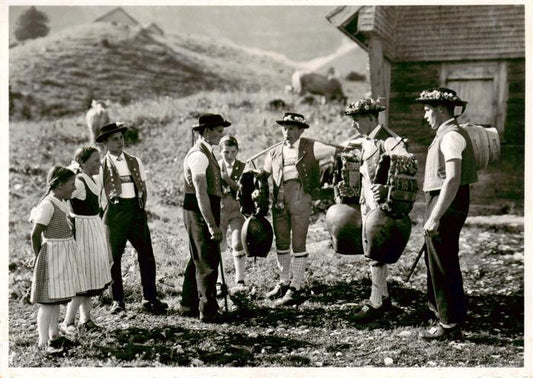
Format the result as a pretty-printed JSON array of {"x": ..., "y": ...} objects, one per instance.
[{"x": 437, "y": 33}]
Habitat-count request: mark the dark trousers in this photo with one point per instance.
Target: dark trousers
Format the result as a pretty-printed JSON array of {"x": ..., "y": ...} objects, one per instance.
[
  {"x": 199, "y": 282},
  {"x": 126, "y": 221},
  {"x": 444, "y": 280}
]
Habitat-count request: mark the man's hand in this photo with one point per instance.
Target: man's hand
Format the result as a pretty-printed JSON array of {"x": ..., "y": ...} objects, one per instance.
[
  {"x": 431, "y": 227},
  {"x": 379, "y": 192},
  {"x": 215, "y": 232}
]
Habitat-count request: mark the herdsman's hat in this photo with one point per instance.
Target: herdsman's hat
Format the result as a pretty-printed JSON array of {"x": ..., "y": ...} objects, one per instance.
[
  {"x": 210, "y": 120},
  {"x": 364, "y": 106},
  {"x": 293, "y": 119},
  {"x": 440, "y": 96},
  {"x": 109, "y": 129}
]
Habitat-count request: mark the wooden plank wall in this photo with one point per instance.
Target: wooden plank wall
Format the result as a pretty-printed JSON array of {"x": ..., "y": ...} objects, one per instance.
[{"x": 515, "y": 120}]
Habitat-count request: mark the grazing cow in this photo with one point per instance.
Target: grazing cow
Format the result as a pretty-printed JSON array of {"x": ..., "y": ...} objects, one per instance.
[
  {"x": 311, "y": 82},
  {"x": 96, "y": 117}
]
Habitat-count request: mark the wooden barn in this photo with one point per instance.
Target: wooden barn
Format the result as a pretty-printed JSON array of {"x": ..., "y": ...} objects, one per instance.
[
  {"x": 477, "y": 50},
  {"x": 154, "y": 28},
  {"x": 118, "y": 16}
]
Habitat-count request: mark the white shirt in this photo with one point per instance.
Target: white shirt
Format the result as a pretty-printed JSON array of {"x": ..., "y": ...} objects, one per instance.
[
  {"x": 452, "y": 144},
  {"x": 197, "y": 161},
  {"x": 290, "y": 157},
  {"x": 42, "y": 213},
  {"x": 80, "y": 192},
  {"x": 128, "y": 188}
]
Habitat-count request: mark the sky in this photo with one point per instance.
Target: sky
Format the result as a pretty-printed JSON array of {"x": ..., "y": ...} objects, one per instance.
[{"x": 298, "y": 32}]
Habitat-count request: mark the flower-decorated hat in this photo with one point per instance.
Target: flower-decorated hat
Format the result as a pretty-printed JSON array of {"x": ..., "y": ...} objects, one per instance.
[
  {"x": 293, "y": 119},
  {"x": 364, "y": 106},
  {"x": 440, "y": 96}
]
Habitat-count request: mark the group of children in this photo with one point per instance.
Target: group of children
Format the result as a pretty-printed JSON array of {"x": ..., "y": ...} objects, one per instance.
[{"x": 73, "y": 259}]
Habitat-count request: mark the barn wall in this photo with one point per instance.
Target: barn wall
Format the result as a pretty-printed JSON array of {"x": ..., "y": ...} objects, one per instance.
[
  {"x": 515, "y": 120},
  {"x": 406, "y": 118}
]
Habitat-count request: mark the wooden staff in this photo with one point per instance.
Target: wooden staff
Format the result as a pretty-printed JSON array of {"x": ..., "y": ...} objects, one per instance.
[
  {"x": 279, "y": 143},
  {"x": 415, "y": 263}
]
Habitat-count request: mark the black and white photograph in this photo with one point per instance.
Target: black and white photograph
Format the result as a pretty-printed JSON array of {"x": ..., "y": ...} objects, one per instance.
[{"x": 266, "y": 189}]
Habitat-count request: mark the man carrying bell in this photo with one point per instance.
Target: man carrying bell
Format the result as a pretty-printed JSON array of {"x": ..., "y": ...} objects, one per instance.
[{"x": 375, "y": 143}]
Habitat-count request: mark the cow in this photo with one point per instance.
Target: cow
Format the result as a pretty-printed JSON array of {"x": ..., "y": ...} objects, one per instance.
[
  {"x": 303, "y": 82},
  {"x": 96, "y": 117}
]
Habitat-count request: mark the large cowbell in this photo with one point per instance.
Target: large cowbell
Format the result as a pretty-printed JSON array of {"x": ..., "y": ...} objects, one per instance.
[
  {"x": 257, "y": 236},
  {"x": 344, "y": 226},
  {"x": 386, "y": 236}
]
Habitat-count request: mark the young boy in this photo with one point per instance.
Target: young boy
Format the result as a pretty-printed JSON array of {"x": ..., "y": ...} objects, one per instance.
[
  {"x": 230, "y": 217},
  {"x": 123, "y": 179}
]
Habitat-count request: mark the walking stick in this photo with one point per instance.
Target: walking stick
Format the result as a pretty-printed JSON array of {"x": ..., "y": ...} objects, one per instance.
[
  {"x": 224, "y": 286},
  {"x": 415, "y": 263}
]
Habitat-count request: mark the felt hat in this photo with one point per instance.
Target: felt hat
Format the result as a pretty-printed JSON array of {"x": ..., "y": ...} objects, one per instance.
[
  {"x": 293, "y": 119},
  {"x": 440, "y": 96},
  {"x": 109, "y": 129},
  {"x": 210, "y": 120},
  {"x": 364, "y": 106}
]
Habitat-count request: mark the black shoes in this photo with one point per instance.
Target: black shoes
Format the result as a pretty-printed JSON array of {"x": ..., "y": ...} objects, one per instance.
[
  {"x": 155, "y": 306},
  {"x": 291, "y": 297},
  {"x": 278, "y": 291},
  {"x": 214, "y": 318},
  {"x": 187, "y": 312},
  {"x": 368, "y": 313},
  {"x": 441, "y": 333},
  {"x": 117, "y": 308}
]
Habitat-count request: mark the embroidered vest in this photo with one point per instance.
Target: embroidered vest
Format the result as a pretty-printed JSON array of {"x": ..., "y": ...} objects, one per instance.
[
  {"x": 306, "y": 165},
  {"x": 89, "y": 206},
  {"x": 236, "y": 172},
  {"x": 112, "y": 183},
  {"x": 435, "y": 173},
  {"x": 214, "y": 187}
]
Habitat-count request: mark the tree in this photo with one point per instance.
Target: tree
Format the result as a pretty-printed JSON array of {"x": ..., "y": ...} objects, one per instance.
[{"x": 31, "y": 24}]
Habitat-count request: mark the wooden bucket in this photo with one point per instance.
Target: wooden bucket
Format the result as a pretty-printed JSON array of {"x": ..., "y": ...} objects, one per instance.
[{"x": 485, "y": 142}]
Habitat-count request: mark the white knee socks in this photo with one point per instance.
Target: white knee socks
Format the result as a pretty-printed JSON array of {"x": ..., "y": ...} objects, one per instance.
[
  {"x": 44, "y": 318},
  {"x": 85, "y": 310},
  {"x": 299, "y": 265},
  {"x": 72, "y": 309},
  {"x": 239, "y": 260},
  {"x": 284, "y": 265},
  {"x": 379, "y": 285}
]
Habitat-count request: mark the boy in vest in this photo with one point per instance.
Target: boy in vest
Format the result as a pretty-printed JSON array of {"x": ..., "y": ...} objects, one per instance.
[
  {"x": 201, "y": 215},
  {"x": 123, "y": 179},
  {"x": 296, "y": 176},
  {"x": 450, "y": 169},
  {"x": 373, "y": 141},
  {"x": 231, "y": 218}
]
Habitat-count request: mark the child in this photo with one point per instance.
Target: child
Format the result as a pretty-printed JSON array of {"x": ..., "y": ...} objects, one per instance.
[
  {"x": 231, "y": 170},
  {"x": 57, "y": 276},
  {"x": 90, "y": 236},
  {"x": 124, "y": 190}
]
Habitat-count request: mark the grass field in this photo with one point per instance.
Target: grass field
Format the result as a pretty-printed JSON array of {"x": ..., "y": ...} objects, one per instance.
[{"x": 319, "y": 332}]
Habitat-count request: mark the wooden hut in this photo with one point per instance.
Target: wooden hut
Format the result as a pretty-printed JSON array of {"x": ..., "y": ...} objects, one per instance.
[
  {"x": 478, "y": 50},
  {"x": 154, "y": 28},
  {"x": 118, "y": 16}
]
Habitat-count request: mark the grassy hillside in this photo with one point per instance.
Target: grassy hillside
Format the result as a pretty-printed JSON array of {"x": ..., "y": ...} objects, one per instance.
[
  {"x": 59, "y": 74},
  {"x": 320, "y": 332}
]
